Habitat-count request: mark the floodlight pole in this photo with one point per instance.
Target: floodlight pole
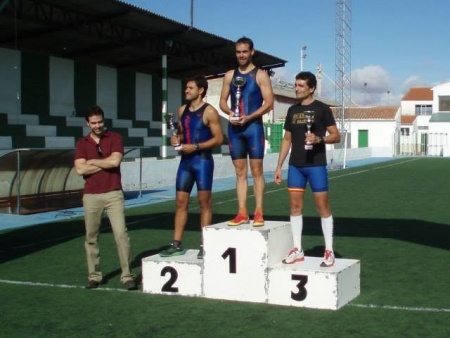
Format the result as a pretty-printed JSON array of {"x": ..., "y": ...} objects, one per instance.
[
  {"x": 192, "y": 13},
  {"x": 164, "y": 107},
  {"x": 302, "y": 57}
]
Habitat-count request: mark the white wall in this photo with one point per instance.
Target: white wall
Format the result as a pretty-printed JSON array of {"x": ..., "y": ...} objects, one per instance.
[
  {"x": 107, "y": 90},
  {"x": 144, "y": 98},
  {"x": 380, "y": 132},
  {"x": 167, "y": 168},
  {"x": 10, "y": 82},
  {"x": 213, "y": 95},
  {"x": 62, "y": 100},
  {"x": 441, "y": 127},
  {"x": 174, "y": 95},
  {"x": 280, "y": 110},
  {"x": 409, "y": 107},
  {"x": 440, "y": 90},
  {"x": 422, "y": 122}
]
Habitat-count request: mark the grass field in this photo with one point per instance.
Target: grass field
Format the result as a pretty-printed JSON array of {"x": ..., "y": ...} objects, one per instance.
[{"x": 393, "y": 216}]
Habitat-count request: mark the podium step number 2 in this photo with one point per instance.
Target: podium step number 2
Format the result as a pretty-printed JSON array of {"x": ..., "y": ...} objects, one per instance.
[{"x": 180, "y": 275}]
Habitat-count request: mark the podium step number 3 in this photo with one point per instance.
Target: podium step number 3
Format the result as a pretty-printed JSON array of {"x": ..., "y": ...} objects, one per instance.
[{"x": 243, "y": 264}]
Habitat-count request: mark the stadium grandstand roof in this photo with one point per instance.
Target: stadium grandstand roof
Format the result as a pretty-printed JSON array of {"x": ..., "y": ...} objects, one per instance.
[{"x": 116, "y": 34}]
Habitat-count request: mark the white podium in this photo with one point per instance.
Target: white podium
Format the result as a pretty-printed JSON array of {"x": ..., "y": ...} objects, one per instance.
[
  {"x": 243, "y": 263},
  {"x": 306, "y": 284},
  {"x": 237, "y": 259}
]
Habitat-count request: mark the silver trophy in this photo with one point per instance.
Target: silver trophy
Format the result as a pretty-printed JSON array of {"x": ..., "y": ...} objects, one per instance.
[
  {"x": 238, "y": 82},
  {"x": 174, "y": 131},
  {"x": 309, "y": 114}
]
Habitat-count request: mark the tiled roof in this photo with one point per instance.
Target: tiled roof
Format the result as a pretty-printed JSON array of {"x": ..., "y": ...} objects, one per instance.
[
  {"x": 286, "y": 90},
  {"x": 368, "y": 113},
  {"x": 407, "y": 119},
  {"x": 419, "y": 94}
]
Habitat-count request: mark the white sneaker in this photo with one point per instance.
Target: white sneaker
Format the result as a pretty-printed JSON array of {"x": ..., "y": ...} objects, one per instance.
[
  {"x": 328, "y": 259},
  {"x": 294, "y": 256}
]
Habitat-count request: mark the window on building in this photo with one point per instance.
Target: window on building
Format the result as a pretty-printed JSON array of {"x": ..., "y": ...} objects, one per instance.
[
  {"x": 404, "y": 131},
  {"x": 444, "y": 103},
  {"x": 424, "y": 109}
]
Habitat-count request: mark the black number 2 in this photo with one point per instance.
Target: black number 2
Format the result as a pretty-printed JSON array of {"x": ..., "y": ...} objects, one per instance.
[
  {"x": 302, "y": 292},
  {"x": 168, "y": 286},
  {"x": 231, "y": 252}
]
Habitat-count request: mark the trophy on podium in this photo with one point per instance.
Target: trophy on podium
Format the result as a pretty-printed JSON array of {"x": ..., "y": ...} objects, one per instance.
[
  {"x": 238, "y": 82},
  {"x": 309, "y": 114},
  {"x": 174, "y": 131}
]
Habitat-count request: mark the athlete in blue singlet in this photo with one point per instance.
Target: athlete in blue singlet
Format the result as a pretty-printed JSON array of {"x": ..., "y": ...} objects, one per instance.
[
  {"x": 247, "y": 139},
  {"x": 308, "y": 165},
  {"x": 196, "y": 167},
  {"x": 199, "y": 131},
  {"x": 246, "y": 135}
]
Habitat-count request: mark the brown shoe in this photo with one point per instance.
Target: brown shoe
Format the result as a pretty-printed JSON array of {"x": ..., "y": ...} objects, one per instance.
[
  {"x": 130, "y": 285},
  {"x": 92, "y": 284}
]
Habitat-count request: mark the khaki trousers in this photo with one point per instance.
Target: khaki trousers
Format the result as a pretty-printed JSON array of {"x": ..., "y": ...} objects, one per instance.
[{"x": 113, "y": 203}]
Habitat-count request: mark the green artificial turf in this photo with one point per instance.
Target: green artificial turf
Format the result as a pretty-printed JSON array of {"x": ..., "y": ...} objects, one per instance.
[{"x": 393, "y": 217}]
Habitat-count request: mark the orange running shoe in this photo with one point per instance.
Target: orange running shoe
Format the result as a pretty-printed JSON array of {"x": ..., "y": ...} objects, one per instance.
[
  {"x": 238, "y": 220},
  {"x": 258, "y": 220}
]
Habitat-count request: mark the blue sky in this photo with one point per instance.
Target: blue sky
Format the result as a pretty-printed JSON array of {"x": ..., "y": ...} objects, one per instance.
[{"x": 396, "y": 44}]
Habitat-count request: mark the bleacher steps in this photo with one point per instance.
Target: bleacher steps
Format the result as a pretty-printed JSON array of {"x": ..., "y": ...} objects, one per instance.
[
  {"x": 40, "y": 130},
  {"x": 5, "y": 142},
  {"x": 34, "y": 131},
  {"x": 26, "y": 119},
  {"x": 63, "y": 142}
]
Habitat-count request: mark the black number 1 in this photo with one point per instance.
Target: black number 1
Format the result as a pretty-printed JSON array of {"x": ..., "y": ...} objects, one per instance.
[{"x": 231, "y": 252}]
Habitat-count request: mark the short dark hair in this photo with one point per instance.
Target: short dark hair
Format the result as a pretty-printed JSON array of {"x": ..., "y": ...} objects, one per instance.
[
  {"x": 245, "y": 40},
  {"x": 309, "y": 77},
  {"x": 94, "y": 110},
  {"x": 200, "y": 82}
]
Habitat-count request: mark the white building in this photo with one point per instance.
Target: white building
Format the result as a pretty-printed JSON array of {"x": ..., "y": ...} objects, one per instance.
[
  {"x": 425, "y": 123},
  {"x": 370, "y": 127},
  {"x": 420, "y": 126}
]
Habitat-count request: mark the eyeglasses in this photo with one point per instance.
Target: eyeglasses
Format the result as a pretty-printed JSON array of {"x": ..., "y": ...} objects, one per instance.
[{"x": 99, "y": 150}]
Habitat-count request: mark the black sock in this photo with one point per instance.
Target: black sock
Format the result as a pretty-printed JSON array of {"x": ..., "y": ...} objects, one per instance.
[{"x": 176, "y": 243}]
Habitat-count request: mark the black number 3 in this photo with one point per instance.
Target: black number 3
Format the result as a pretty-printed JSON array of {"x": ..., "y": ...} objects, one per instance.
[{"x": 302, "y": 292}]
